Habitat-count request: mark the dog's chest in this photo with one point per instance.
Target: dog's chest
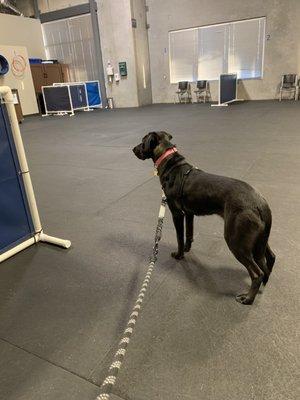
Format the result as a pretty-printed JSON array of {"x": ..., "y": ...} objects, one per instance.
[{"x": 171, "y": 186}]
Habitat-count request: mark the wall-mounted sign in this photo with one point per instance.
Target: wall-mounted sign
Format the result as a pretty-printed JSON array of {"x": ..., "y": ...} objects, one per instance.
[{"x": 123, "y": 68}]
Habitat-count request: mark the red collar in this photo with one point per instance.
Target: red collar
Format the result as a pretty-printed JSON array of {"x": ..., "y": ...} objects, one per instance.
[{"x": 164, "y": 155}]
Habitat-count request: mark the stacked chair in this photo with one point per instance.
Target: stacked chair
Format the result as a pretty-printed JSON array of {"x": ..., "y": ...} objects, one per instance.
[
  {"x": 184, "y": 92},
  {"x": 202, "y": 92},
  {"x": 289, "y": 86}
]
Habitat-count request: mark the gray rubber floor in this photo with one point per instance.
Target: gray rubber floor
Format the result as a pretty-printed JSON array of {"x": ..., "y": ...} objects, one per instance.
[{"x": 62, "y": 311}]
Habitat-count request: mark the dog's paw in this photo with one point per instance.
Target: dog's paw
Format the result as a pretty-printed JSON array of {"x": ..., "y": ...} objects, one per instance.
[
  {"x": 177, "y": 256},
  {"x": 244, "y": 299}
]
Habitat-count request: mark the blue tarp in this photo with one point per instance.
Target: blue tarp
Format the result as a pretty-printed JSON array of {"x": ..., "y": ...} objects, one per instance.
[{"x": 93, "y": 92}]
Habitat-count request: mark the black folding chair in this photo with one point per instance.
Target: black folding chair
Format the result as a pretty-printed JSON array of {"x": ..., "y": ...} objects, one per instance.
[{"x": 202, "y": 91}]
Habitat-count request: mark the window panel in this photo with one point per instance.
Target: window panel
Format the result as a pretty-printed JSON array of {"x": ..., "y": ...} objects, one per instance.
[
  {"x": 183, "y": 55},
  {"x": 70, "y": 41},
  {"x": 206, "y": 52},
  {"x": 212, "y": 42},
  {"x": 246, "y": 48}
]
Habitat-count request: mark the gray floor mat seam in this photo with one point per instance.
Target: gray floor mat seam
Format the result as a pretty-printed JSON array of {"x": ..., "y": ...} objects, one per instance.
[
  {"x": 77, "y": 166},
  {"x": 47, "y": 361},
  {"x": 122, "y": 197}
]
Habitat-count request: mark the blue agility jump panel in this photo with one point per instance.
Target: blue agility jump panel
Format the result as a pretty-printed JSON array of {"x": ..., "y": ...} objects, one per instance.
[
  {"x": 57, "y": 99},
  {"x": 16, "y": 224},
  {"x": 93, "y": 93},
  {"x": 78, "y": 96}
]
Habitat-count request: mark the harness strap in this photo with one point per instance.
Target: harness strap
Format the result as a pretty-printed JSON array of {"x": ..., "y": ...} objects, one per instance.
[
  {"x": 185, "y": 175},
  {"x": 180, "y": 164}
]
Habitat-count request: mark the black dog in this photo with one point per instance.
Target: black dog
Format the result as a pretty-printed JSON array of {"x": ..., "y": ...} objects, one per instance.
[{"x": 190, "y": 191}]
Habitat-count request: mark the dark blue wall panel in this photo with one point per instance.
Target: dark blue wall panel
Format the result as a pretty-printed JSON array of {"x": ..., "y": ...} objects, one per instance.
[
  {"x": 228, "y": 87},
  {"x": 78, "y": 95}
]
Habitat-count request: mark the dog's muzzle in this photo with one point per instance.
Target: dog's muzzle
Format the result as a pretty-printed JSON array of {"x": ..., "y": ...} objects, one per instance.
[{"x": 138, "y": 153}]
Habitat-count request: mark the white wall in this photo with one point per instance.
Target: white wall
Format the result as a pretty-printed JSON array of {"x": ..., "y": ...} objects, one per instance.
[
  {"x": 23, "y": 81},
  {"x": 23, "y": 36},
  {"x": 296, "y": 28},
  {"x": 142, "y": 58},
  {"x": 280, "y": 55},
  {"x": 120, "y": 42},
  {"x": 53, "y": 5},
  {"x": 117, "y": 45},
  {"x": 26, "y": 7},
  {"x": 21, "y": 31}
]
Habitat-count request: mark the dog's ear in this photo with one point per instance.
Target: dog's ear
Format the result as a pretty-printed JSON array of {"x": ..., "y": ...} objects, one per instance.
[
  {"x": 165, "y": 135},
  {"x": 151, "y": 141}
]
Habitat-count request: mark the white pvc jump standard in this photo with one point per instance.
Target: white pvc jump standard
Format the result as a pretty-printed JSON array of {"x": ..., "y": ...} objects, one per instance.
[{"x": 39, "y": 235}]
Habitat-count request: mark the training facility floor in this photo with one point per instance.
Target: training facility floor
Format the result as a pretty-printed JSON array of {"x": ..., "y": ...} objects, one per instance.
[{"x": 62, "y": 311}]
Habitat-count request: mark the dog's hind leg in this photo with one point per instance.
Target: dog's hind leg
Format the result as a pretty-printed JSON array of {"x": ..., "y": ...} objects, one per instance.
[
  {"x": 259, "y": 254},
  {"x": 261, "y": 262},
  {"x": 241, "y": 234},
  {"x": 263, "y": 255},
  {"x": 262, "y": 248},
  {"x": 189, "y": 220},
  {"x": 256, "y": 276}
]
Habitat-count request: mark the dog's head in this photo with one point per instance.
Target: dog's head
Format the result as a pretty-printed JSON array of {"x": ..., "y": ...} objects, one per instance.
[{"x": 153, "y": 145}]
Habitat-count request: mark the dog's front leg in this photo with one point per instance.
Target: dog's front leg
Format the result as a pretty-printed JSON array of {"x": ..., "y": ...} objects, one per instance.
[
  {"x": 189, "y": 221},
  {"x": 178, "y": 219}
]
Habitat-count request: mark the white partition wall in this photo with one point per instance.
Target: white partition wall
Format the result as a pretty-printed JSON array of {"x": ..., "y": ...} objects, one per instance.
[{"x": 19, "y": 77}]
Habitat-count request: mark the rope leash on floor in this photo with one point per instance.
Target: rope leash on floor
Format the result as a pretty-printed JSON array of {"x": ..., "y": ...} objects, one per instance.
[{"x": 110, "y": 380}]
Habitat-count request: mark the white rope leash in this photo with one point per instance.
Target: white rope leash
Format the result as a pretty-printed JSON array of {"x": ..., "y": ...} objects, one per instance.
[{"x": 118, "y": 359}]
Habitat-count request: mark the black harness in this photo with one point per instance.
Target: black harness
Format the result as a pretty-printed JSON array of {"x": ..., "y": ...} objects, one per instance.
[
  {"x": 180, "y": 194},
  {"x": 185, "y": 175}
]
